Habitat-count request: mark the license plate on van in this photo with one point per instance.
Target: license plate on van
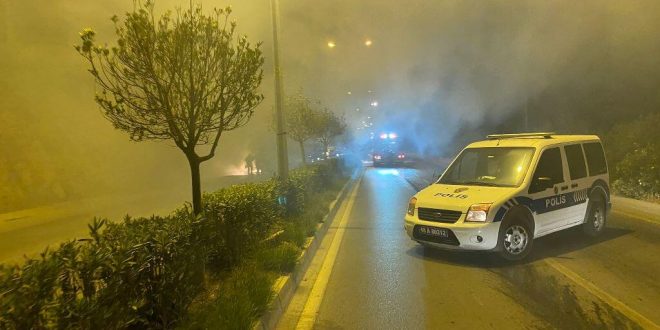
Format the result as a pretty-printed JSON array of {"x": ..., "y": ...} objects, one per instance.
[{"x": 432, "y": 231}]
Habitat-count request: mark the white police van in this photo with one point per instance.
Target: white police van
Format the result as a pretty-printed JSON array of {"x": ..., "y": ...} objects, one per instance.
[{"x": 501, "y": 193}]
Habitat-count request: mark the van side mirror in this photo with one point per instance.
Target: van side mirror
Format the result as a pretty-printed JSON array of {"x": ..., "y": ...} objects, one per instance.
[{"x": 543, "y": 183}]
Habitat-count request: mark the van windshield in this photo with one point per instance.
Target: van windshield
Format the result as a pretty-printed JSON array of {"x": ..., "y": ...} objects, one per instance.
[{"x": 499, "y": 167}]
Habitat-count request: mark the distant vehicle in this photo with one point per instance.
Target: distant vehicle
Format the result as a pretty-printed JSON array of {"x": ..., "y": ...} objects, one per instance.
[
  {"x": 501, "y": 193},
  {"x": 387, "y": 151}
]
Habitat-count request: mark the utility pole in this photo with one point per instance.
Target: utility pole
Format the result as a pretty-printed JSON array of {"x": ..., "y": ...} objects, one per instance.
[
  {"x": 282, "y": 154},
  {"x": 527, "y": 114}
]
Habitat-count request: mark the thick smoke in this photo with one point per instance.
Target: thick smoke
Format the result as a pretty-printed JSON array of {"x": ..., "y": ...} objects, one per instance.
[
  {"x": 448, "y": 69},
  {"x": 55, "y": 143},
  {"x": 442, "y": 72}
]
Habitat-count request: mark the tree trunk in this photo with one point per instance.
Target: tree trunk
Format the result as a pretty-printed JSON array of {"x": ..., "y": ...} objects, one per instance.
[
  {"x": 196, "y": 183},
  {"x": 302, "y": 151},
  {"x": 326, "y": 145}
]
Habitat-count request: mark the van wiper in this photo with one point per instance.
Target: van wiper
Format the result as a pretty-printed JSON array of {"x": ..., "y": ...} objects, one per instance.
[
  {"x": 448, "y": 182},
  {"x": 481, "y": 183}
]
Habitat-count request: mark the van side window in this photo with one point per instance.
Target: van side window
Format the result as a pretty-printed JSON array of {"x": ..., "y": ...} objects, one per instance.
[
  {"x": 576, "y": 166},
  {"x": 595, "y": 158},
  {"x": 549, "y": 166}
]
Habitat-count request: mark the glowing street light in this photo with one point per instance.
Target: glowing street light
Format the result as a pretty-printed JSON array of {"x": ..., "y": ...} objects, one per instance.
[
  {"x": 331, "y": 44},
  {"x": 368, "y": 42},
  {"x": 374, "y": 104}
]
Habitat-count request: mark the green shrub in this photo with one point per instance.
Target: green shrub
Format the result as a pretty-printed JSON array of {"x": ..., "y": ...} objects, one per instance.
[
  {"x": 638, "y": 173},
  {"x": 632, "y": 151},
  {"x": 240, "y": 217},
  {"x": 146, "y": 272},
  {"x": 27, "y": 294}
]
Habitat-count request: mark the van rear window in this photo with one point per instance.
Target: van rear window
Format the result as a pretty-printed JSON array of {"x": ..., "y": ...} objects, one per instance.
[
  {"x": 575, "y": 159},
  {"x": 595, "y": 158}
]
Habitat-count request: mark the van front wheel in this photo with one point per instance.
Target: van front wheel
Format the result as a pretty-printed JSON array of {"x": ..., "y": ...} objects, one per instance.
[
  {"x": 516, "y": 239},
  {"x": 594, "y": 224}
]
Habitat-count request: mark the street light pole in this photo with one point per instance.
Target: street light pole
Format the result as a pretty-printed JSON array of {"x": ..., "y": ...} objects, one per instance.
[{"x": 282, "y": 154}]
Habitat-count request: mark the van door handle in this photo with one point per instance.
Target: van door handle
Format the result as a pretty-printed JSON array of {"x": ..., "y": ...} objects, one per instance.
[
  {"x": 564, "y": 188},
  {"x": 575, "y": 185}
]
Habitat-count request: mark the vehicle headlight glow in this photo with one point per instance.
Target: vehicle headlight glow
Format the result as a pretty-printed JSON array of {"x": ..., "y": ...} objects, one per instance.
[
  {"x": 411, "y": 206},
  {"x": 478, "y": 212}
]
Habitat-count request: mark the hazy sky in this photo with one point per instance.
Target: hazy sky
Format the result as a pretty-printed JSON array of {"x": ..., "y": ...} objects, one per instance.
[{"x": 434, "y": 67}]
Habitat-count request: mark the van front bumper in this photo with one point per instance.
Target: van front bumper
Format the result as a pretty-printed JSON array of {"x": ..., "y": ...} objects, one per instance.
[{"x": 462, "y": 236}]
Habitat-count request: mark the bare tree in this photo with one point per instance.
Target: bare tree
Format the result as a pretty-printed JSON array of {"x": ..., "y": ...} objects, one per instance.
[
  {"x": 328, "y": 126},
  {"x": 186, "y": 77},
  {"x": 300, "y": 120}
]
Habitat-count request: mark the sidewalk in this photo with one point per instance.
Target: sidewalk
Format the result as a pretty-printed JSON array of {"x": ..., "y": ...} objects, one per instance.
[{"x": 641, "y": 210}]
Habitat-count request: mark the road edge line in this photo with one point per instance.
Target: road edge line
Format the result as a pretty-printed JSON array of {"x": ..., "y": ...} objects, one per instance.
[
  {"x": 310, "y": 310},
  {"x": 286, "y": 285},
  {"x": 619, "y": 306}
]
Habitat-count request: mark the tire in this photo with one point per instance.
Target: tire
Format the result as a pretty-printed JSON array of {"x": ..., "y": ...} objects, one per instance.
[
  {"x": 594, "y": 223},
  {"x": 515, "y": 239}
]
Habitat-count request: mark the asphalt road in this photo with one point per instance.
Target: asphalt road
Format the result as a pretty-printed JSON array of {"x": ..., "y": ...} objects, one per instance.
[
  {"x": 379, "y": 279},
  {"x": 28, "y": 232}
]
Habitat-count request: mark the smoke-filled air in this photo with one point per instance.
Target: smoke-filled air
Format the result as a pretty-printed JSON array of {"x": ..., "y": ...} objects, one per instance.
[
  {"x": 441, "y": 73},
  {"x": 338, "y": 164}
]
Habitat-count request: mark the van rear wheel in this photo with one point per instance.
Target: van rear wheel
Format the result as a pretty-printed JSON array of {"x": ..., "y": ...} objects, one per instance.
[
  {"x": 516, "y": 238},
  {"x": 594, "y": 224}
]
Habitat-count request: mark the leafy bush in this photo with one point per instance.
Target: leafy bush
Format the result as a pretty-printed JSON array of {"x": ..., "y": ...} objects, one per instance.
[
  {"x": 27, "y": 293},
  {"x": 632, "y": 151},
  {"x": 146, "y": 272},
  {"x": 238, "y": 218},
  {"x": 639, "y": 173}
]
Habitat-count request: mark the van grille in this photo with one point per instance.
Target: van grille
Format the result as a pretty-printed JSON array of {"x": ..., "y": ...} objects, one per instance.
[{"x": 435, "y": 215}]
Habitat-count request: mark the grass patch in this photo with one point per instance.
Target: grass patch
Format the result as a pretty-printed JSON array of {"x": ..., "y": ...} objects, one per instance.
[
  {"x": 282, "y": 258},
  {"x": 242, "y": 297}
]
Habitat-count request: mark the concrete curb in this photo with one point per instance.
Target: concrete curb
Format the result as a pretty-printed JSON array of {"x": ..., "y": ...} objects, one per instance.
[{"x": 285, "y": 286}]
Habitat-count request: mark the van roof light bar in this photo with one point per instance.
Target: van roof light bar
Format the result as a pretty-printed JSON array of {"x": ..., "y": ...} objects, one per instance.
[{"x": 545, "y": 135}]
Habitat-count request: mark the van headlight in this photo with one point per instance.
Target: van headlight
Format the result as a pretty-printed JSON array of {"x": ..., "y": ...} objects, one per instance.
[
  {"x": 411, "y": 206},
  {"x": 478, "y": 212}
]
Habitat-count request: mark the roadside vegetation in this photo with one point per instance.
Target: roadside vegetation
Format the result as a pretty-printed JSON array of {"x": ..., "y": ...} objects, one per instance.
[
  {"x": 185, "y": 77},
  {"x": 213, "y": 270},
  {"x": 309, "y": 120},
  {"x": 633, "y": 149}
]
